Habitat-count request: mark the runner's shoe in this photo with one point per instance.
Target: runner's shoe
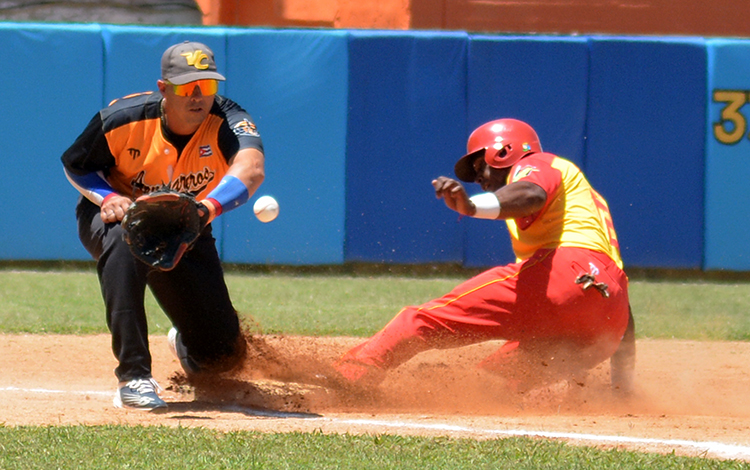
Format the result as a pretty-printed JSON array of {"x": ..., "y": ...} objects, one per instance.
[{"x": 139, "y": 394}]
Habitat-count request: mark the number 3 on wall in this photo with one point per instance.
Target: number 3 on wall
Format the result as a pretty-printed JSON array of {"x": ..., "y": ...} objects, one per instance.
[{"x": 730, "y": 116}]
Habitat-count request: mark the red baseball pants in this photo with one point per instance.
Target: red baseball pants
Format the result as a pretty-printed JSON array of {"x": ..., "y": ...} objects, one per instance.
[{"x": 541, "y": 304}]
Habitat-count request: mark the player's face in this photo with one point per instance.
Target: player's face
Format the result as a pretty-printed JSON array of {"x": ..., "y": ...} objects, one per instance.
[
  {"x": 186, "y": 112},
  {"x": 490, "y": 179}
]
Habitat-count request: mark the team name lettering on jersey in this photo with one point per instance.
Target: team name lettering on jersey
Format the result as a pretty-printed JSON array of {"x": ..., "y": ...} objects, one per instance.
[
  {"x": 192, "y": 183},
  {"x": 139, "y": 187}
]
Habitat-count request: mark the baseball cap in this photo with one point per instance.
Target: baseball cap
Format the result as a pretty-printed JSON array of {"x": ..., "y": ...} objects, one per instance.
[{"x": 188, "y": 61}]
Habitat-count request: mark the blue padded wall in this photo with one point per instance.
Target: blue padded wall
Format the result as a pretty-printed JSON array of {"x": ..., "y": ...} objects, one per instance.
[
  {"x": 357, "y": 123},
  {"x": 727, "y": 162},
  {"x": 406, "y": 125},
  {"x": 295, "y": 85},
  {"x": 646, "y": 139},
  {"x": 133, "y": 55},
  {"x": 52, "y": 86},
  {"x": 539, "y": 80}
]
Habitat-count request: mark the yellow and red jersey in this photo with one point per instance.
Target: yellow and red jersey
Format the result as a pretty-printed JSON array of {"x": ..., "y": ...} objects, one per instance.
[
  {"x": 127, "y": 143},
  {"x": 575, "y": 215}
]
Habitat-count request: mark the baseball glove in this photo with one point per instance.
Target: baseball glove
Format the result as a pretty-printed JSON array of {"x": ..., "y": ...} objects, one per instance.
[{"x": 161, "y": 226}]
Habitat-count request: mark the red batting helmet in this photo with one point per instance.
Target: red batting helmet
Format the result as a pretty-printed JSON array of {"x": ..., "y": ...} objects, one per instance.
[{"x": 501, "y": 142}]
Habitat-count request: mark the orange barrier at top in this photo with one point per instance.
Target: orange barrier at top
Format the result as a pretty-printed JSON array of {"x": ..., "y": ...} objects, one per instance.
[
  {"x": 371, "y": 14},
  {"x": 646, "y": 17}
]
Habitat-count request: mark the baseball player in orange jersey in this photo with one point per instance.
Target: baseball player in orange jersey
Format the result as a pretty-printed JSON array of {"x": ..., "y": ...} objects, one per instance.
[
  {"x": 188, "y": 137},
  {"x": 562, "y": 307}
]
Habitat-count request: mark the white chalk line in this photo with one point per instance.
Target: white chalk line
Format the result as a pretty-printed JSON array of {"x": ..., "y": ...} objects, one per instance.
[
  {"x": 730, "y": 451},
  {"x": 719, "y": 449},
  {"x": 47, "y": 391}
]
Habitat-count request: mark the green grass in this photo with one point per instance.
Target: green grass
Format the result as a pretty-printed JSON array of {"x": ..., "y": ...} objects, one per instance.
[
  {"x": 702, "y": 310},
  {"x": 329, "y": 305},
  {"x": 115, "y": 447},
  {"x": 69, "y": 302}
]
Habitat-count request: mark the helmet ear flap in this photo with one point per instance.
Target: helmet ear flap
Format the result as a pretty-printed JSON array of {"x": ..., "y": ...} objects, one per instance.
[{"x": 495, "y": 157}]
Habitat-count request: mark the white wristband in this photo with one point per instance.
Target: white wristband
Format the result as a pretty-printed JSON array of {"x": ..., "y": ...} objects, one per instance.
[{"x": 488, "y": 207}]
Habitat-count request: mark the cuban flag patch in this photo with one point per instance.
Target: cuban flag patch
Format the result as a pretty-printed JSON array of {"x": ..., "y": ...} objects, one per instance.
[{"x": 205, "y": 151}]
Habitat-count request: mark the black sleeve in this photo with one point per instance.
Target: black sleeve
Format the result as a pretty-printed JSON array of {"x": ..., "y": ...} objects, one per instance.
[
  {"x": 238, "y": 130},
  {"x": 90, "y": 152},
  {"x": 228, "y": 142}
]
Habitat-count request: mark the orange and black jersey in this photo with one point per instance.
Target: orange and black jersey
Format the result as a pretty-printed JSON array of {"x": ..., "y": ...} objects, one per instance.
[{"x": 127, "y": 144}]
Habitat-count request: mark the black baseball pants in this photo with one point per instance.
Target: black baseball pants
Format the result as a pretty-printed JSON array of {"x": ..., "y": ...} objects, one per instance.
[{"x": 193, "y": 295}]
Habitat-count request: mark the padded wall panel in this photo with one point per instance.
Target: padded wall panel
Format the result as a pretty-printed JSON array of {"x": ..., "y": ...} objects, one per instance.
[
  {"x": 646, "y": 141},
  {"x": 539, "y": 80},
  {"x": 52, "y": 86},
  {"x": 357, "y": 123},
  {"x": 295, "y": 85},
  {"x": 727, "y": 151},
  {"x": 133, "y": 55},
  {"x": 406, "y": 126}
]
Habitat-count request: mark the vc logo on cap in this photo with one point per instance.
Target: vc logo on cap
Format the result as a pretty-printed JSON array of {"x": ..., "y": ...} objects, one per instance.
[{"x": 196, "y": 59}]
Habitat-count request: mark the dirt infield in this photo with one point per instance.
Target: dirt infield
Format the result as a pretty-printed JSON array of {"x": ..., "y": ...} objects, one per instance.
[{"x": 692, "y": 397}]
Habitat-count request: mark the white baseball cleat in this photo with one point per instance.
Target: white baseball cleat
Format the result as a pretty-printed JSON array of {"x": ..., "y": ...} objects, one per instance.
[{"x": 180, "y": 352}]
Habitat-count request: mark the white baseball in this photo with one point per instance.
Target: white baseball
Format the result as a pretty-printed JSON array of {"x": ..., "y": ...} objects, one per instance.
[{"x": 266, "y": 209}]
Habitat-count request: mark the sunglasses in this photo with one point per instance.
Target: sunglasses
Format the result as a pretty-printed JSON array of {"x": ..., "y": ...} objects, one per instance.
[{"x": 208, "y": 87}]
